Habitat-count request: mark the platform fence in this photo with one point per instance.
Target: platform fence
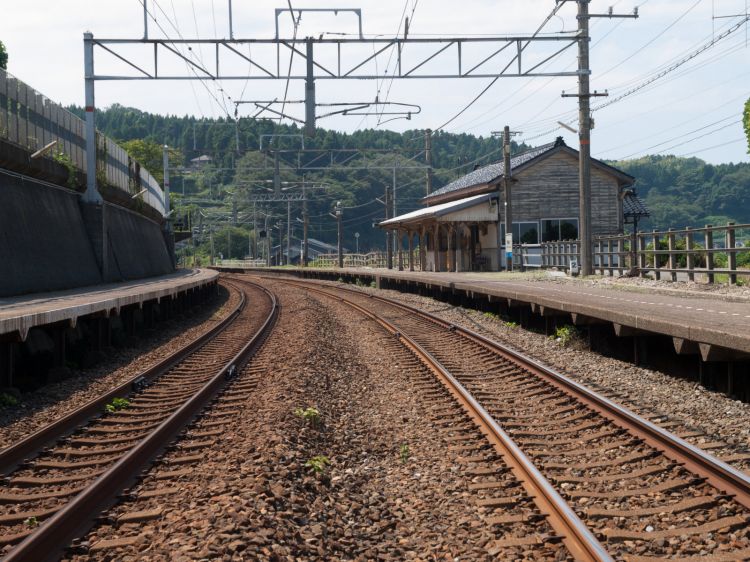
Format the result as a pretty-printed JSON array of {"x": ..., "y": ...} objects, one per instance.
[
  {"x": 31, "y": 121},
  {"x": 711, "y": 254}
]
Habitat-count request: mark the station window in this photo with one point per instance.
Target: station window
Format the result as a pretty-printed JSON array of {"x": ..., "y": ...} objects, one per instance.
[
  {"x": 523, "y": 232},
  {"x": 559, "y": 229}
]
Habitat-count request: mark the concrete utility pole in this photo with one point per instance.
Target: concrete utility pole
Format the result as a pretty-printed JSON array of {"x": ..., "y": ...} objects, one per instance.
[
  {"x": 388, "y": 246},
  {"x": 309, "y": 90},
  {"x": 508, "y": 218},
  {"x": 288, "y": 232},
  {"x": 428, "y": 158},
  {"x": 395, "y": 212},
  {"x": 254, "y": 251},
  {"x": 305, "y": 223},
  {"x": 584, "y": 137},
  {"x": 585, "y": 124},
  {"x": 339, "y": 215},
  {"x": 268, "y": 243},
  {"x": 165, "y": 162}
]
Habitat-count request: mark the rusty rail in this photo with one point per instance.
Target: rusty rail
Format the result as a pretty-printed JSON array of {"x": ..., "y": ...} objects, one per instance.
[
  {"x": 717, "y": 473},
  {"x": 76, "y": 517},
  {"x": 15, "y": 454},
  {"x": 576, "y": 536}
]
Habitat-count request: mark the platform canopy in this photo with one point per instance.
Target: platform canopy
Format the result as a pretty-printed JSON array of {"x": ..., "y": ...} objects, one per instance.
[{"x": 478, "y": 208}]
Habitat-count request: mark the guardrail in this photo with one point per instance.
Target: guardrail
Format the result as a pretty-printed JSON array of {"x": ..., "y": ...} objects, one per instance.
[{"x": 31, "y": 121}]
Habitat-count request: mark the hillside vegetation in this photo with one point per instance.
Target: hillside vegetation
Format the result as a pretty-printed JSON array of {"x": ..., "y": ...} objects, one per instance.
[{"x": 679, "y": 191}]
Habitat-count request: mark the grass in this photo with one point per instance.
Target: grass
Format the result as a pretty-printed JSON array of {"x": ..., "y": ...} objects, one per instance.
[
  {"x": 7, "y": 400},
  {"x": 117, "y": 404},
  {"x": 404, "y": 453},
  {"x": 318, "y": 464},
  {"x": 311, "y": 415},
  {"x": 564, "y": 335},
  {"x": 510, "y": 324}
]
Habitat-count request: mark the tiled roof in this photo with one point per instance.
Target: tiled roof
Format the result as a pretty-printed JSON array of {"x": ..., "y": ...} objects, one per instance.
[
  {"x": 633, "y": 206},
  {"x": 492, "y": 171}
]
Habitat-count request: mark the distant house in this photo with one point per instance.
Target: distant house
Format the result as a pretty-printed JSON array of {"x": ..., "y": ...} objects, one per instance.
[
  {"x": 314, "y": 249},
  {"x": 201, "y": 162},
  {"x": 459, "y": 225}
]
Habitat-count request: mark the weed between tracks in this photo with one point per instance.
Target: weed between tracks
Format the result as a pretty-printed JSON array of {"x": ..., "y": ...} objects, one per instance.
[{"x": 117, "y": 404}]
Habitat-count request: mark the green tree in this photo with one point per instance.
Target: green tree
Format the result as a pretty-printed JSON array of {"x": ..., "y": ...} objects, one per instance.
[
  {"x": 746, "y": 123},
  {"x": 3, "y": 57},
  {"x": 150, "y": 155}
]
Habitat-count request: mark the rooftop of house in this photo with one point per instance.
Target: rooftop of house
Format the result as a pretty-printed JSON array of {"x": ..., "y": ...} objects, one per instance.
[{"x": 496, "y": 170}]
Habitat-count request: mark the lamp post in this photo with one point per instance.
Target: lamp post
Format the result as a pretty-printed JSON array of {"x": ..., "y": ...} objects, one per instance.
[{"x": 356, "y": 238}]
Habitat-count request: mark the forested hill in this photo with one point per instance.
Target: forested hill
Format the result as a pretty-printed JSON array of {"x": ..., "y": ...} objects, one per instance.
[
  {"x": 689, "y": 192},
  {"x": 679, "y": 191}
]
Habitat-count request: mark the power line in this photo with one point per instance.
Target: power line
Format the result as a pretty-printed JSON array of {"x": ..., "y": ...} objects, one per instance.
[{"x": 652, "y": 40}]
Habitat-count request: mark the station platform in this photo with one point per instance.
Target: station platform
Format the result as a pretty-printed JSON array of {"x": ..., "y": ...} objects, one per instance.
[
  {"x": 19, "y": 314},
  {"x": 716, "y": 327}
]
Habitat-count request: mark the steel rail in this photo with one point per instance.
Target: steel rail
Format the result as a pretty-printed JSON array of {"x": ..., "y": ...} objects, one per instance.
[
  {"x": 77, "y": 517},
  {"x": 575, "y": 534},
  {"x": 16, "y": 454},
  {"x": 719, "y": 474}
]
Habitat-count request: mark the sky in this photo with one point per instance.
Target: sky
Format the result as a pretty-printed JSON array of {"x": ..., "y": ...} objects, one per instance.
[{"x": 694, "y": 109}]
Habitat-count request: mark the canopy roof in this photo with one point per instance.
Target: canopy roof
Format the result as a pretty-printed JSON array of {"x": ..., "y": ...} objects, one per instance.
[{"x": 437, "y": 210}]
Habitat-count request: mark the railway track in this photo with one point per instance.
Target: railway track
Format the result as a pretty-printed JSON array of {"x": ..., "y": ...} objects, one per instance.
[
  {"x": 55, "y": 496},
  {"x": 643, "y": 492}
]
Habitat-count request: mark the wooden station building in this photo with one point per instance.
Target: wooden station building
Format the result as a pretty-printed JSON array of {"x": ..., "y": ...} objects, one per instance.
[{"x": 457, "y": 230}]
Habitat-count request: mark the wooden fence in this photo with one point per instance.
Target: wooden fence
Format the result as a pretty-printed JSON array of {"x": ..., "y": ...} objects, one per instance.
[
  {"x": 31, "y": 121},
  {"x": 711, "y": 254},
  {"x": 372, "y": 259}
]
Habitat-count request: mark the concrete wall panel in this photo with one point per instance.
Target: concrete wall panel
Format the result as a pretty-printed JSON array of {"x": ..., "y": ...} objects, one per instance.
[
  {"x": 43, "y": 243},
  {"x": 136, "y": 244}
]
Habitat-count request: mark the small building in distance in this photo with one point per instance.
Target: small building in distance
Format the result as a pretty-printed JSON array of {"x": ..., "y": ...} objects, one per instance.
[
  {"x": 200, "y": 162},
  {"x": 458, "y": 228}
]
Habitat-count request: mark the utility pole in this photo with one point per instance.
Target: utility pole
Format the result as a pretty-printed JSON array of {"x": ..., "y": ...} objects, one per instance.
[
  {"x": 388, "y": 246},
  {"x": 585, "y": 124},
  {"x": 165, "y": 162},
  {"x": 305, "y": 222},
  {"x": 309, "y": 90},
  {"x": 211, "y": 241},
  {"x": 268, "y": 243},
  {"x": 276, "y": 175},
  {"x": 288, "y": 232},
  {"x": 428, "y": 158},
  {"x": 254, "y": 252},
  {"x": 508, "y": 218},
  {"x": 338, "y": 215},
  {"x": 395, "y": 213}
]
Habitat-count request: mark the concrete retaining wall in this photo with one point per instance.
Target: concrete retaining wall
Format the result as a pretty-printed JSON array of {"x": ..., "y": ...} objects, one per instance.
[
  {"x": 48, "y": 243},
  {"x": 137, "y": 246},
  {"x": 43, "y": 242}
]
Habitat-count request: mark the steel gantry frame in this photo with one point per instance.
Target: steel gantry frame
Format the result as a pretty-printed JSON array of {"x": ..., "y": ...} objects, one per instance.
[{"x": 342, "y": 69}]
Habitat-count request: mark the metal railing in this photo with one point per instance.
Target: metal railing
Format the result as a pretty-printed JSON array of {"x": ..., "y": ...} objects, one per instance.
[
  {"x": 371, "y": 259},
  {"x": 559, "y": 254},
  {"x": 31, "y": 121}
]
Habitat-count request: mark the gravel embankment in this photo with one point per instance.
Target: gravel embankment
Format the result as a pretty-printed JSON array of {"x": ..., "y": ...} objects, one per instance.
[{"x": 45, "y": 405}]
